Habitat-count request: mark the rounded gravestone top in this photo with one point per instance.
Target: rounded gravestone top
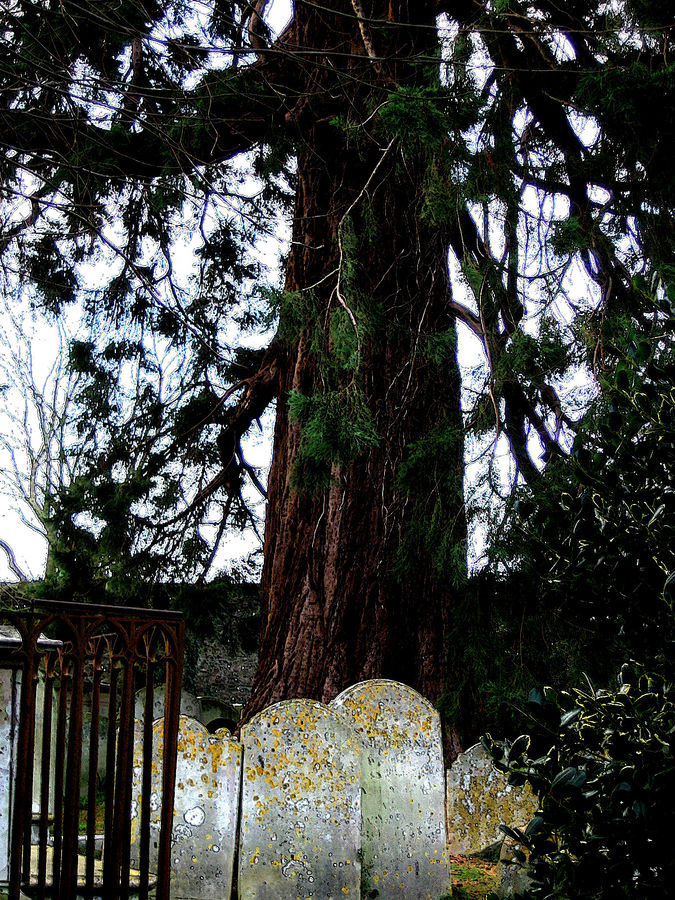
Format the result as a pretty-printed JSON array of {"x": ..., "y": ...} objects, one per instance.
[
  {"x": 390, "y": 714},
  {"x": 301, "y": 804},
  {"x": 404, "y": 845},
  {"x": 10, "y": 639}
]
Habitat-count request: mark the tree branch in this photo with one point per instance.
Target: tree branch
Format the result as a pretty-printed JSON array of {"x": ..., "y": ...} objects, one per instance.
[
  {"x": 13, "y": 565},
  {"x": 234, "y": 108},
  {"x": 469, "y": 318},
  {"x": 261, "y": 389},
  {"x": 256, "y": 25}
]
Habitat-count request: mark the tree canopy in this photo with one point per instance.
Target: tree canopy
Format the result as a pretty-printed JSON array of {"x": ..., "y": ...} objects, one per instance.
[{"x": 493, "y": 169}]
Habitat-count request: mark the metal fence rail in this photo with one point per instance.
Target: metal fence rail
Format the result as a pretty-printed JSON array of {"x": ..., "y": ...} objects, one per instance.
[{"x": 85, "y": 673}]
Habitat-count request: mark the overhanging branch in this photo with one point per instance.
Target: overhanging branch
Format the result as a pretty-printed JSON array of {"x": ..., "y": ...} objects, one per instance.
[
  {"x": 469, "y": 318},
  {"x": 260, "y": 390},
  {"x": 11, "y": 559}
]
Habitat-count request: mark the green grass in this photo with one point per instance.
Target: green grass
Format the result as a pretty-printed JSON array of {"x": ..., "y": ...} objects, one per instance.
[
  {"x": 100, "y": 812},
  {"x": 473, "y": 879}
]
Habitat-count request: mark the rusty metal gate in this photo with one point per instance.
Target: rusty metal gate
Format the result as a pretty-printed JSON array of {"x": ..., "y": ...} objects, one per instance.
[{"x": 89, "y": 681}]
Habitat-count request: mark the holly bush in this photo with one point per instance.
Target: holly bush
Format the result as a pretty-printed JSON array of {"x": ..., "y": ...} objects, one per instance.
[{"x": 602, "y": 764}]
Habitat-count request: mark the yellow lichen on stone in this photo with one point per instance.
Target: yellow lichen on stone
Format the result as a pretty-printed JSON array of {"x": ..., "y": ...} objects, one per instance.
[{"x": 479, "y": 799}]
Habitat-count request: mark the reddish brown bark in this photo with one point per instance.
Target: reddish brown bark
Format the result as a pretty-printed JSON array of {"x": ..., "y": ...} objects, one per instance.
[{"x": 333, "y": 610}]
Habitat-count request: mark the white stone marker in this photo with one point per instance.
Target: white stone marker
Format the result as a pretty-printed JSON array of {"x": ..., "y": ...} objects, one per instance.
[
  {"x": 10, "y": 711},
  {"x": 189, "y": 704},
  {"x": 208, "y": 776},
  {"x": 405, "y": 851},
  {"x": 480, "y": 799},
  {"x": 10, "y": 703},
  {"x": 301, "y": 812}
]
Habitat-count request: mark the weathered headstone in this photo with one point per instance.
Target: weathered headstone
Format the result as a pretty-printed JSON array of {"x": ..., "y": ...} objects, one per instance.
[
  {"x": 208, "y": 775},
  {"x": 39, "y": 742},
  {"x": 87, "y": 712},
  {"x": 10, "y": 702},
  {"x": 189, "y": 704},
  {"x": 479, "y": 800},
  {"x": 11, "y": 678},
  {"x": 514, "y": 878},
  {"x": 404, "y": 838},
  {"x": 301, "y": 813}
]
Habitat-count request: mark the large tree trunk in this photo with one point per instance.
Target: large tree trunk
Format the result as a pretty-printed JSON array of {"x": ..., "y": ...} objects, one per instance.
[{"x": 339, "y": 603}]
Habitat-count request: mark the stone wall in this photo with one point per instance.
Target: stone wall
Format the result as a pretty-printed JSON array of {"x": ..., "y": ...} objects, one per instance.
[
  {"x": 225, "y": 673},
  {"x": 227, "y": 659}
]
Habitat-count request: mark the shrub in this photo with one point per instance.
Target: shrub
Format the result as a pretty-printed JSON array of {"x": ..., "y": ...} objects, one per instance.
[{"x": 601, "y": 763}]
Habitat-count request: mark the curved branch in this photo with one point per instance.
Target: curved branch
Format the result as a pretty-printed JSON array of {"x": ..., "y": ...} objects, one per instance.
[
  {"x": 11, "y": 558},
  {"x": 256, "y": 25},
  {"x": 519, "y": 411},
  {"x": 261, "y": 389}
]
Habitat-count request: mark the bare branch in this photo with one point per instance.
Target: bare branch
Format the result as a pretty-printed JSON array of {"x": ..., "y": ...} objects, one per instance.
[
  {"x": 11, "y": 559},
  {"x": 469, "y": 318}
]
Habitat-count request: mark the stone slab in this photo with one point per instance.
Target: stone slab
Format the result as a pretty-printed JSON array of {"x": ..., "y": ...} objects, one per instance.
[
  {"x": 301, "y": 805},
  {"x": 404, "y": 833},
  {"x": 10, "y": 701},
  {"x": 189, "y": 704},
  {"x": 479, "y": 800},
  {"x": 514, "y": 879},
  {"x": 208, "y": 777}
]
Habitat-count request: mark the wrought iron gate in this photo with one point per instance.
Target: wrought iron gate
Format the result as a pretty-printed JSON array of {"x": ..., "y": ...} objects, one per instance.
[{"x": 84, "y": 674}]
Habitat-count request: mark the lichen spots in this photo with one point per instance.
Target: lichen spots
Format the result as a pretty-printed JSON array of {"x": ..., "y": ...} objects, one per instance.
[
  {"x": 205, "y": 807},
  {"x": 479, "y": 799},
  {"x": 311, "y": 794},
  {"x": 403, "y": 782}
]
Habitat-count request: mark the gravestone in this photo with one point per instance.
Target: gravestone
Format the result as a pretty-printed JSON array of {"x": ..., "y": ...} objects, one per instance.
[
  {"x": 208, "y": 775},
  {"x": 480, "y": 799},
  {"x": 10, "y": 704},
  {"x": 11, "y": 677},
  {"x": 514, "y": 878},
  {"x": 39, "y": 742},
  {"x": 87, "y": 714},
  {"x": 189, "y": 704},
  {"x": 301, "y": 813},
  {"x": 404, "y": 834}
]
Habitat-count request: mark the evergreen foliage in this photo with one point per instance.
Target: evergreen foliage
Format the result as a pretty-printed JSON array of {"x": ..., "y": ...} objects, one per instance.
[
  {"x": 594, "y": 542},
  {"x": 524, "y": 153},
  {"x": 336, "y": 428},
  {"x": 601, "y": 763}
]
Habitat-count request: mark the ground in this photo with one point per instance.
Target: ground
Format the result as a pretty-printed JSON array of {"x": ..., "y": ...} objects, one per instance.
[{"x": 473, "y": 878}]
